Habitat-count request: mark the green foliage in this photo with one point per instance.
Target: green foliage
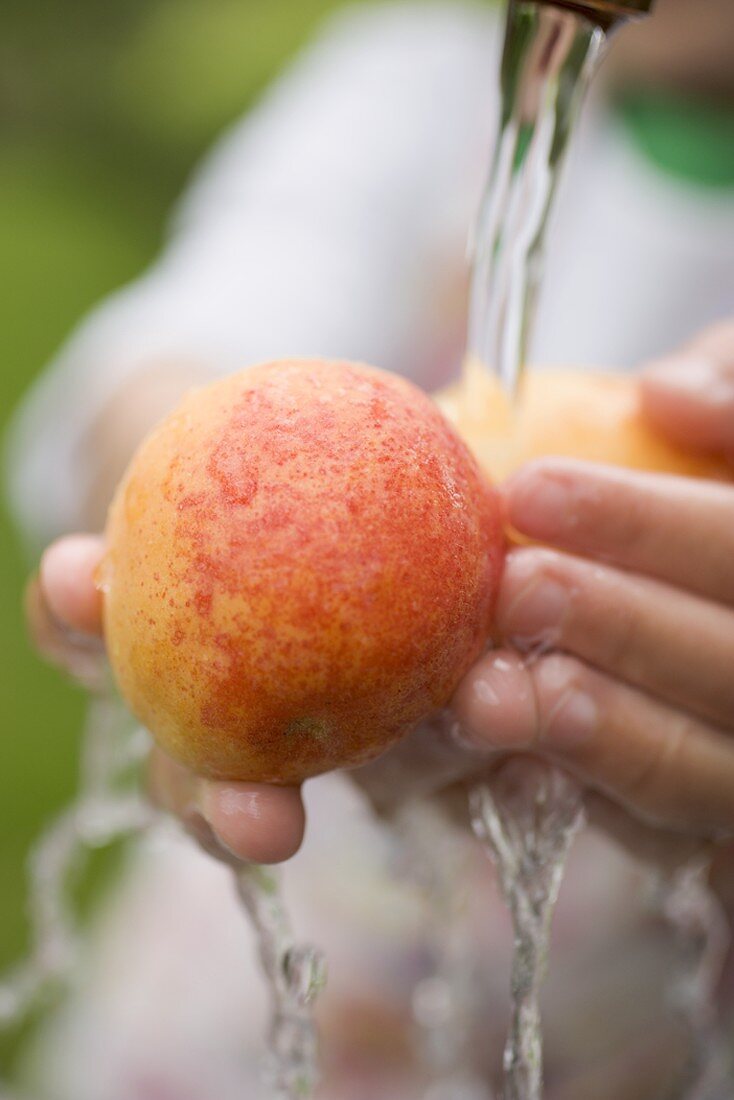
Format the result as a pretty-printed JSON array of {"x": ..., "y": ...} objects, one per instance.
[
  {"x": 194, "y": 64},
  {"x": 68, "y": 236},
  {"x": 103, "y": 110}
]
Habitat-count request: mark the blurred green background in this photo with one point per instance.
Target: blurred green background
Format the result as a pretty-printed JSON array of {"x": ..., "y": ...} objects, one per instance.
[{"x": 104, "y": 110}]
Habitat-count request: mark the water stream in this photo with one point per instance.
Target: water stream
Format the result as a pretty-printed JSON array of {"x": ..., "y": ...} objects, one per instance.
[
  {"x": 701, "y": 934},
  {"x": 528, "y": 813},
  {"x": 527, "y": 821},
  {"x": 295, "y": 975},
  {"x": 527, "y": 816},
  {"x": 550, "y": 55},
  {"x": 109, "y": 807}
]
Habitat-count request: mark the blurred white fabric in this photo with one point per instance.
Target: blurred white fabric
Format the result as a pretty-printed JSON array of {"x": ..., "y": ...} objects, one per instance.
[{"x": 332, "y": 221}]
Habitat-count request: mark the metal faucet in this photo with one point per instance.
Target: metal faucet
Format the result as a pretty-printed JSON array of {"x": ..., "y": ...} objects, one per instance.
[
  {"x": 550, "y": 51},
  {"x": 605, "y": 12}
]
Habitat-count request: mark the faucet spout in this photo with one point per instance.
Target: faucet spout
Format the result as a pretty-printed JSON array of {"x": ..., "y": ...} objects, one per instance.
[{"x": 605, "y": 12}]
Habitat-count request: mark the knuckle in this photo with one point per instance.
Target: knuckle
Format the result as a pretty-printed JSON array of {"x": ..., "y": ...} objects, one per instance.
[
  {"x": 473, "y": 713},
  {"x": 553, "y": 676},
  {"x": 621, "y": 632},
  {"x": 565, "y": 701},
  {"x": 656, "y": 781},
  {"x": 525, "y": 567},
  {"x": 630, "y": 526},
  {"x": 717, "y": 340}
]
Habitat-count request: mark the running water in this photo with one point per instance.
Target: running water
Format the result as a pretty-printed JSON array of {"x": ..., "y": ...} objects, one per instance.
[
  {"x": 527, "y": 816},
  {"x": 702, "y": 938},
  {"x": 109, "y": 808},
  {"x": 295, "y": 975},
  {"x": 549, "y": 57}
]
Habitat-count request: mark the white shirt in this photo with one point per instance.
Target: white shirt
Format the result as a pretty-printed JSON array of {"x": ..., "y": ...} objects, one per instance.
[{"x": 332, "y": 221}]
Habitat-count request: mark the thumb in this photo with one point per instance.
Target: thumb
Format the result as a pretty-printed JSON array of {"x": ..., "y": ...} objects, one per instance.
[{"x": 689, "y": 396}]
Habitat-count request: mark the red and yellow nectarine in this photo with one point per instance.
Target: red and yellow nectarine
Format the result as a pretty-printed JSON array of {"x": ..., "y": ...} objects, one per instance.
[
  {"x": 302, "y": 563},
  {"x": 586, "y": 415}
]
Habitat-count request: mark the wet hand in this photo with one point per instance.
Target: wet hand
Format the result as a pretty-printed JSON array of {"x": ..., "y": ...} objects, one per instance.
[
  {"x": 618, "y": 660},
  {"x": 237, "y": 821},
  {"x": 640, "y": 709}
]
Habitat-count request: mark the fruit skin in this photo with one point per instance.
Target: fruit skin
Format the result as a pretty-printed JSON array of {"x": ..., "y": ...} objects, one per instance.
[
  {"x": 302, "y": 563},
  {"x": 571, "y": 414}
]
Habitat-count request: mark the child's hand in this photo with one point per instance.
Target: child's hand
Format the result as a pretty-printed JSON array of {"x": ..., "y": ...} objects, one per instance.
[
  {"x": 242, "y": 820},
  {"x": 640, "y": 699},
  {"x": 620, "y": 651}
]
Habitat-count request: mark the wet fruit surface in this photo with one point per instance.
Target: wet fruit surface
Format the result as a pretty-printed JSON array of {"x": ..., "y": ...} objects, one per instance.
[{"x": 302, "y": 563}]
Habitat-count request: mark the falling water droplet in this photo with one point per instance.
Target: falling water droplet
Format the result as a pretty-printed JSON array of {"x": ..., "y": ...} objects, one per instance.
[
  {"x": 294, "y": 975},
  {"x": 107, "y": 808},
  {"x": 702, "y": 937},
  {"x": 305, "y": 972}
]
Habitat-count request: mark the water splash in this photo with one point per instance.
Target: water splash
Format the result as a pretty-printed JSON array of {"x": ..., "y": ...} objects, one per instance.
[
  {"x": 295, "y": 976},
  {"x": 109, "y": 808},
  {"x": 106, "y": 810},
  {"x": 702, "y": 938},
  {"x": 527, "y": 815}
]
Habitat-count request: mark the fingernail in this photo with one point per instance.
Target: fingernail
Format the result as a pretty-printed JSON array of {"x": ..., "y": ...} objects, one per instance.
[
  {"x": 538, "y": 504},
  {"x": 222, "y": 802},
  {"x": 694, "y": 377},
  {"x": 238, "y": 801},
  {"x": 536, "y": 614}
]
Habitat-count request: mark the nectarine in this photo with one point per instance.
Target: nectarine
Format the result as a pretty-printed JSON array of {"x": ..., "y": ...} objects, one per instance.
[
  {"x": 302, "y": 563},
  {"x": 571, "y": 414}
]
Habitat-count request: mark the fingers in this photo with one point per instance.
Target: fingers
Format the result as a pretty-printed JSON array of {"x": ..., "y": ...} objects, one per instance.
[
  {"x": 232, "y": 821},
  {"x": 243, "y": 821},
  {"x": 63, "y": 610},
  {"x": 667, "y": 766},
  {"x": 676, "y": 529},
  {"x": 81, "y": 656},
  {"x": 675, "y": 645},
  {"x": 690, "y": 395},
  {"x": 67, "y": 575},
  {"x": 256, "y": 822}
]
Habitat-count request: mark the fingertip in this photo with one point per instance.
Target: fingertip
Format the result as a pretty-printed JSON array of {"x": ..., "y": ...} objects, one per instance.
[
  {"x": 668, "y": 388},
  {"x": 67, "y": 578},
  {"x": 495, "y": 703},
  {"x": 523, "y": 479},
  {"x": 691, "y": 400},
  {"x": 255, "y": 822},
  {"x": 537, "y": 497}
]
